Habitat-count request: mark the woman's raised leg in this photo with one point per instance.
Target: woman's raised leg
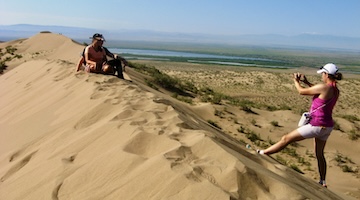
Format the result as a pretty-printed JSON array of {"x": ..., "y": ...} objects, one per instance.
[{"x": 285, "y": 140}]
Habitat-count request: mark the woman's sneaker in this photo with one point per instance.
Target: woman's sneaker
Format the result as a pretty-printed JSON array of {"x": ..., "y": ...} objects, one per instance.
[
  {"x": 322, "y": 182},
  {"x": 260, "y": 151}
]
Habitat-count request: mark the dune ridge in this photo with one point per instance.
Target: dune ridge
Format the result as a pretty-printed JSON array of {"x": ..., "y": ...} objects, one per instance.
[{"x": 67, "y": 135}]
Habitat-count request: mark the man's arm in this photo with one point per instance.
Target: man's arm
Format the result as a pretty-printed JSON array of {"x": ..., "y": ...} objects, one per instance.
[
  {"x": 115, "y": 56},
  {"x": 108, "y": 53}
]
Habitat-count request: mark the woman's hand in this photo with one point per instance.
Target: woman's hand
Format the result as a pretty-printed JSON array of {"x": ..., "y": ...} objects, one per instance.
[
  {"x": 297, "y": 76},
  {"x": 304, "y": 80}
]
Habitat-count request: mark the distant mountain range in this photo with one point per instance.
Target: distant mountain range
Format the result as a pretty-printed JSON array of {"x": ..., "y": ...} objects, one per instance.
[{"x": 10, "y": 32}]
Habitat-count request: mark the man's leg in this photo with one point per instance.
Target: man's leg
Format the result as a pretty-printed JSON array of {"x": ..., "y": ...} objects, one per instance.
[{"x": 118, "y": 67}]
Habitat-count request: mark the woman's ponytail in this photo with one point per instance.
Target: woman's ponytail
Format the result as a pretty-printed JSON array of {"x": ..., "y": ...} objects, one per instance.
[{"x": 338, "y": 76}]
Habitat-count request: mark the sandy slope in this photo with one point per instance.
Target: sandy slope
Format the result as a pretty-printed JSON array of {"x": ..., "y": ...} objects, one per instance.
[{"x": 67, "y": 135}]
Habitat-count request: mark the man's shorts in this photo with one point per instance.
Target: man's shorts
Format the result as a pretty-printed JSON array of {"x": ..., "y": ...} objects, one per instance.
[{"x": 310, "y": 131}]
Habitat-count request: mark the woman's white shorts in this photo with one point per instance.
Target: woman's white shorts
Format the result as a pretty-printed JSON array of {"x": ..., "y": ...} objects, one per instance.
[{"x": 310, "y": 131}]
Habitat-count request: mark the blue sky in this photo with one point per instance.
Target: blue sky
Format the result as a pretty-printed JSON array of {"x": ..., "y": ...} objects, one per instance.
[{"x": 219, "y": 17}]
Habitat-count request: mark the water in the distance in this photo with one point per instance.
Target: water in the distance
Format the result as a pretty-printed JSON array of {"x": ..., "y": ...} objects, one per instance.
[{"x": 165, "y": 53}]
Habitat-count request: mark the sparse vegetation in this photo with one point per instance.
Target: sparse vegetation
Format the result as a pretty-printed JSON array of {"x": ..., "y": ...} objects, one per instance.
[
  {"x": 343, "y": 162},
  {"x": 354, "y": 135},
  {"x": 336, "y": 126},
  {"x": 281, "y": 160},
  {"x": 351, "y": 118},
  {"x": 247, "y": 109},
  {"x": 291, "y": 152},
  {"x": 214, "y": 124},
  {"x": 253, "y": 122},
  {"x": 346, "y": 168},
  {"x": 247, "y": 100},
  {"x": 219, "y": 113},
  {"x": 241, "y": 129},
  {"x": 252, "y": 136},
  {"x": 296, "y": 168},
  {"x": 9, "y": 54},
  {"x": 274, "y": 123},
  {"x": 158, "y": 79}
]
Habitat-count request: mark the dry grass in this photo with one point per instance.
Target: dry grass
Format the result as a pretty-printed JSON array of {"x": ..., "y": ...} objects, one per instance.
[{"x": 268, "y": 88}]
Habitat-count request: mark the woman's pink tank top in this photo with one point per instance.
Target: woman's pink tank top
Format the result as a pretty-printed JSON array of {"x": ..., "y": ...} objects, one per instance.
[{"x": 323, "y": 116}]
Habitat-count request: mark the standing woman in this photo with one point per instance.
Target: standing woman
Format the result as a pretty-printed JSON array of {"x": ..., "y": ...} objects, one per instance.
[{"x": 321, "y": 124}]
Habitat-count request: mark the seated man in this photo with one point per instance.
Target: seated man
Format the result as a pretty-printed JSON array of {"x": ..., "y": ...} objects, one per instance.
[{"x": 95, "y": 58}]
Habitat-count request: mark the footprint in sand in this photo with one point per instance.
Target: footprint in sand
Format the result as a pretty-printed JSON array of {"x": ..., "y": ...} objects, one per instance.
[
  {"x": 55, "y": 193},
  {"x": 17, "y": 166},
  {"x": 14, "y": 156},
  {"x": 148, "y": 145},
  {"x": 182, "y": 159},
  {"x": 69, "y": 159},
  {"x": 125, "y": 114},
  {"x": 198, "y": 175},
  {"x": 93, "y": 116}
]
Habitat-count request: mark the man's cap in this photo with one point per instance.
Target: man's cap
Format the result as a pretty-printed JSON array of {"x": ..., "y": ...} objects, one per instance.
[
  {"x": 98, "y": 36},
  {"x": 329, "y": 68}
]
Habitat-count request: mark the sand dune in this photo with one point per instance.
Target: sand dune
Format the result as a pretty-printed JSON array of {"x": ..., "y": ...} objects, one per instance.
[{"x": 67, "y": 135}]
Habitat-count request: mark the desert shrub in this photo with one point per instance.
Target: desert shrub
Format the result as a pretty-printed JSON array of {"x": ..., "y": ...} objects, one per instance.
[
  {"x": 339, "y": 159},
  {"x": 214, "y": 124},
  {"x": 150, "y": 84},
  {"x": 346, "y": 168},
  {"x": 336, "y": 126},
  {"x": 216, "y": 99},
  {"x": 253, "y": 122},
  {"x": 291, "y": 152},
  {"x": 183, "y": 99},
  {"x": 271, "y": 108},
  {"x": 284, "y": 107},
  {"x": 206, "y": 90},
  {"x": 274, "y": 123},
  {"x": 253, "y": 137},
  {"x": 342, "y": 163},
  {"x": 219, "y": 113},
  {"x": 7, "y": 55},
  {"x": 309, "y": 154},
  {"x": 246, "y": 109},
  {"x": 189, "y": 86},
  {"x": 281, "y": 160},
  {"x": 241, "y": 129},
  {"x": 165, "y": 81},
  {"x": 270, "y": 141},
  {"x": 205, "y": 98},
  {"x": 45, "y": 32},
  {"x": 303, "y": 161},
  {"x": 227, "y": 111},
  {"x": 353, "y": 135},
  {"x": 294, "y": 144},
  {"x": 296, "y": 168},
  {"x": 351, "y": 118}
]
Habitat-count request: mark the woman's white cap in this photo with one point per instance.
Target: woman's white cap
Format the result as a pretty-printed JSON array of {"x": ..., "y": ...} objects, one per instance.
[{"x": 329, "y": 68}]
